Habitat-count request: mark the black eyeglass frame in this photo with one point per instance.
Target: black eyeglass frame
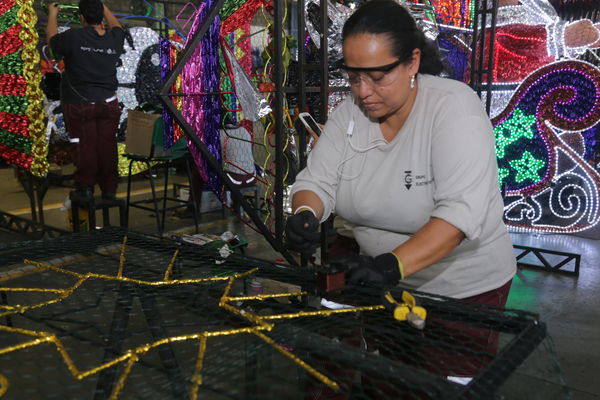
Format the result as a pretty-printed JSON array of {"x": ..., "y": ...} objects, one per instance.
[{"x": 382, "y": 68}]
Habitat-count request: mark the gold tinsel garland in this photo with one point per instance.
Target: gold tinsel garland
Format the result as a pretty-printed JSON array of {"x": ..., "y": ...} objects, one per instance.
[
  {"x": 27, "y": 18},
  {"x": 261, "y": 323}
]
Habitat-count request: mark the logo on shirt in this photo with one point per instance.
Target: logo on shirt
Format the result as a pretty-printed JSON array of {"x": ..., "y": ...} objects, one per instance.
[
  {"x": 408, "y": 179},
  {"x": 95, "y": 50},
  {"x": 411, "y": 180}
]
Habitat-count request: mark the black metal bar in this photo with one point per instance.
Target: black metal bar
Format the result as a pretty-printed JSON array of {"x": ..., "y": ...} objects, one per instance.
[
  {"x": 165, "y": 197},
  {"x": 547, "y": 266},
  {"x": 4, "y": 299},
  {"x": 324, "y": 97},
  {"x": 154, "y": 200},
  {"x": 474, "y": 47},
  {"x": 27, "y": 227},
  {"x": 416, "y": 380},
  {"x": 280, "y": 134},
  {"x": 481, "y": 48},
  {"x": 303, "y": 142},
  {"x": 192, "y": 194},
  {"x": 491, "y": 378},
  {"x": 165, "y": 352},
  {"x": 488, "y": 97},
  {"x": 115, "y": 340}
]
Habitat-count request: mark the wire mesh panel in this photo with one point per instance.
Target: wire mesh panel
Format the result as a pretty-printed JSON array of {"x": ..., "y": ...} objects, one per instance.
[{"x": 115, "y": 314}]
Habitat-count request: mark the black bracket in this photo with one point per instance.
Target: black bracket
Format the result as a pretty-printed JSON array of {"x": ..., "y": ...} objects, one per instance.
[
  {"x": 28, "y": 227},
  {"x": 567, "y": 259}
]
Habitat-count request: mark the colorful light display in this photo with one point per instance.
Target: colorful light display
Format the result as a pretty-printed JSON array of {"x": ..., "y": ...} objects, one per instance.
[{"x": 547, "y": 147}]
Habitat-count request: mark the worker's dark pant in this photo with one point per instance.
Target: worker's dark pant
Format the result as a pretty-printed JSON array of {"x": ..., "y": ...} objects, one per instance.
[{"x": 95, "y": 156}]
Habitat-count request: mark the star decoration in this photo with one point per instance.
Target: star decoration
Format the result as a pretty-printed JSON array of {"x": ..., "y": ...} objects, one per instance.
[
  {"x": 518, "y": 126},
  {"x": 527, "y": 167}
]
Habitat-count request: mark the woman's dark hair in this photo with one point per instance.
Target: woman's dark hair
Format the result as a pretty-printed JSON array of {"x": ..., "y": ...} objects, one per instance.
[
  {"x": 92, "y": 11},
  {"x": 386, "y": 17}
]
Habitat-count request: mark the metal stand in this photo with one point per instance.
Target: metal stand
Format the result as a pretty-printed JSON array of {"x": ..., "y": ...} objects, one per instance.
[{"x": 567, "y": 259}]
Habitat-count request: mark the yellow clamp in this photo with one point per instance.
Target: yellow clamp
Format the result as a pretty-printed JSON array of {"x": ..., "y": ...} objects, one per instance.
[{"x": 408, "y": 310}]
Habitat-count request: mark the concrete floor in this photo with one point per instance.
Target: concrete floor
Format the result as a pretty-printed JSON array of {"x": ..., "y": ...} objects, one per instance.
[{"x": 568, "y": 305}]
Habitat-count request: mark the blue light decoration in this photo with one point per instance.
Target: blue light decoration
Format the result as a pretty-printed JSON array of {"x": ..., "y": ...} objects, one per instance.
[{"x": 548, "y": 150}]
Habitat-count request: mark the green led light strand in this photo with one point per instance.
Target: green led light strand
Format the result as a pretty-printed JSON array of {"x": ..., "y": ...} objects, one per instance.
[
  {"x": 518, "y": 126},
  {"x": 527, "y": 168}
]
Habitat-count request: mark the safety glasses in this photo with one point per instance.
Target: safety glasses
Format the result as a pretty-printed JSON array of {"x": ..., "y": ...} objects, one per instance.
[{"x": 372, "y": 76}]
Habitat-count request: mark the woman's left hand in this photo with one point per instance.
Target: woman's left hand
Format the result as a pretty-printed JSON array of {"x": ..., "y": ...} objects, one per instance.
[{"x": 383, "y": 269}]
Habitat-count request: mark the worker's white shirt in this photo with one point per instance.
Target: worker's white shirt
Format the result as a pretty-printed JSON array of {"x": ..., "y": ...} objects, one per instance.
[{"x": 441, "y": 164}]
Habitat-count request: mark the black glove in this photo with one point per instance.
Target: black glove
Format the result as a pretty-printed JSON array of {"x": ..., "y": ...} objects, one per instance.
[
  {"x": 302, "y": 232},
  {"x": 383, "y": 269}
]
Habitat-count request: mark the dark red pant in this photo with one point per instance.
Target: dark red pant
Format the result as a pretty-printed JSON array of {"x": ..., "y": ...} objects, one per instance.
[{"x": 95, "y": 156}]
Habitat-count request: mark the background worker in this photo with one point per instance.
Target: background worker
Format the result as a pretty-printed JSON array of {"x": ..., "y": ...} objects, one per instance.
[{"x": 88, "y": 93}]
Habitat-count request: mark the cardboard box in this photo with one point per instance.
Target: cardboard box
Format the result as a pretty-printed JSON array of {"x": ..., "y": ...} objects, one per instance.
[
  {"x": 140, "y": 128},
  {"x": 144, "y": 135}
]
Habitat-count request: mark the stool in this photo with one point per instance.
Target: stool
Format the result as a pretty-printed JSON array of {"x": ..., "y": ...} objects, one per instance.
[
  {"x": 93, "y": 204},
  {"x": 160, "y": 211}
]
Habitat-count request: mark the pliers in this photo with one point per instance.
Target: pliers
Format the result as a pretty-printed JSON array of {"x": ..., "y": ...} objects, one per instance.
[{"x": 408, "y": 310}]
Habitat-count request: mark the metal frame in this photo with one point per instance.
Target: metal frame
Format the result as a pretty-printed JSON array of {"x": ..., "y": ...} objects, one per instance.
[
  {"x": 28, "y": 227},
  {"x": 483, "y": 11},
  {"x": 547, "y": 265},
  {"x": 166, "y": 97}
]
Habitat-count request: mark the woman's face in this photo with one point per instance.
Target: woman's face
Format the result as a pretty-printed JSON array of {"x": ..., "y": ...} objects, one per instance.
[{"x": 382, "y": 92}]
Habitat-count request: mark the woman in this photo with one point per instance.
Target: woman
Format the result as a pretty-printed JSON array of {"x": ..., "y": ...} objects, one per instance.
[{"x": 409, "y": 160}]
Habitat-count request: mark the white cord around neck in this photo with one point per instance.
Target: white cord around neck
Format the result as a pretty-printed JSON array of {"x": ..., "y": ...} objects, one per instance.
[{"x": 349, "y": 132}]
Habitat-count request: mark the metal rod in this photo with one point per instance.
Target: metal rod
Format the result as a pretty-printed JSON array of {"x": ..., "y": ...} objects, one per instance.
[
  {"x": 280, "y": 135},
  {"x": 488, "y": 98},
  {"x": 324, "y": 97}
]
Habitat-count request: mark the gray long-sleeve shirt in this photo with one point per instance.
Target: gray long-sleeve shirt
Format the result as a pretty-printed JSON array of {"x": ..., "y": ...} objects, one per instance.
[{"x": 442, "y": 164}]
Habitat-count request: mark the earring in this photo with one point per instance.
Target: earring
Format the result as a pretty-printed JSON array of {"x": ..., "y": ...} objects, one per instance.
[{"x": 412, "y": 82}]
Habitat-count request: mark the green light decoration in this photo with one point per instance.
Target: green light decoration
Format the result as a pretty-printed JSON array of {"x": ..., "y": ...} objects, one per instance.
[
  {"x": 518, "y": 126},
  {"x": 527, "y": 167},
  {"x": 502, "y": 175}
]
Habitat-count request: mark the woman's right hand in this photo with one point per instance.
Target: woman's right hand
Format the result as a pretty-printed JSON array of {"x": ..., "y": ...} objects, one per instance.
[
  {"x": 314, "y": 136},
  {"x": 302, "y": 232}
]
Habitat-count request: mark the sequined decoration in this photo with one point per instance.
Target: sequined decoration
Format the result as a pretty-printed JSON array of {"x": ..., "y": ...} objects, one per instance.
[
  {"x": 202, "y": 111},
  {"x": 191, "y": 104},
  {"x": 139, "y": 74},
  {"x": 546, "y": 142},
  {"x": 165, "y": 67},
  {"x": 22, "y": 135},
  {"x": 177, "y": 86}
]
